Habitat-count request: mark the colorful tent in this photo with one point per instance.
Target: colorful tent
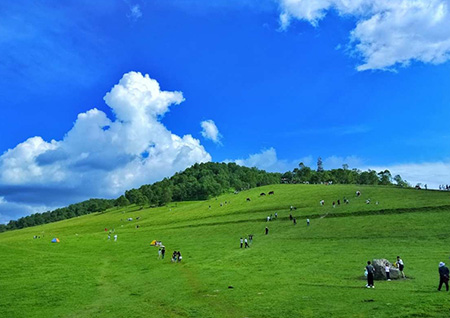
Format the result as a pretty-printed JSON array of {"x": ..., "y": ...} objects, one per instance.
[
  {"x": 55, "y": 240},
  {"x": 156, "y": 243}
]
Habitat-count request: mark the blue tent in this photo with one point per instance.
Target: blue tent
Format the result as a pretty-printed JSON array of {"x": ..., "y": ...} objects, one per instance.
[{"x": 55, "y": 240}]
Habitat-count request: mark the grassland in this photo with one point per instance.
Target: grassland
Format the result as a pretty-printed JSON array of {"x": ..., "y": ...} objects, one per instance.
[{"x": 295, "y": 271}]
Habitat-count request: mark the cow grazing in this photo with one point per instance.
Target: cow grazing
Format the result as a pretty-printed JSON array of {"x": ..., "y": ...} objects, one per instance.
[
  {"x": 248, "y": 199},
  {"x": 262, "y": 193},
  {"x": 271, "y": 192}
]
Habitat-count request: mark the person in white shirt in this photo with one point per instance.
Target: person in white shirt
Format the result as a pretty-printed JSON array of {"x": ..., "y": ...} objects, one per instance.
[
  {"x": 246, "y": 243},
  {"x": 115, "y": 238},
  {"x": 242, "y": 242},
  {"x": 387, "y": 270}
]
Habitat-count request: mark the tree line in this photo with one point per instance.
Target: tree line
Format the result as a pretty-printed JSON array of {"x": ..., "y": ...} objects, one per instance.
[{"x": 206, "y": 180}]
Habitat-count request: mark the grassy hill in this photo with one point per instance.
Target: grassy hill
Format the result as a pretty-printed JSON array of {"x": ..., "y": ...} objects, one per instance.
[{"x": 295, "y": 271}]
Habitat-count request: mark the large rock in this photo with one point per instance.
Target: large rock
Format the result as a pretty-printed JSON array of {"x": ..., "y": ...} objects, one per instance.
[{"x": 380, "y": 273}]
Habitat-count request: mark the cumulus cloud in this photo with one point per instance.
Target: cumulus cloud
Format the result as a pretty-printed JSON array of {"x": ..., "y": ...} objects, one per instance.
[
  {"x": 210, "y": 131},
  {"x": 268, "y": 160},
  {"x": 387, "y": 33},
  {"x": 100, "y": 157}
]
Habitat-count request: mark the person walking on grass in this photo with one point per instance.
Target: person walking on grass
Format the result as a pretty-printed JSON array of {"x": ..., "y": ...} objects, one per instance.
[
  {"x": 246, "y": 243},
  {"x": 307, "y": 222},
  {"x": 294, "y": 220},
  {"x": 163, "y": 252},
  {"x": 443, "y": 276},
  {"x": 370, "y": 271},
  {"x": 250, "y": 238},
  {"x": 159, "y": 253},
  {"x": 242, "y": 242},
  {"x": 400, "y": 265},
  {"x": 267, "y": 230}
]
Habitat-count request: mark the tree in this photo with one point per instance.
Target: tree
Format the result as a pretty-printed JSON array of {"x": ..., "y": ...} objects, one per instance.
[
  {"x": 121, "y": 201},
  {"x": 400, "y": 182},
  {"x": 319, "y": 165}
]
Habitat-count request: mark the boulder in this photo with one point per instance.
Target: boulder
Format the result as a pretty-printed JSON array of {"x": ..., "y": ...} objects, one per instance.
[{"x": 380, "y": 273}]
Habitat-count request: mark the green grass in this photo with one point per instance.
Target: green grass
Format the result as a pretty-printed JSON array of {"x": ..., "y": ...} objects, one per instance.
[{"x": 295, "y": 271}]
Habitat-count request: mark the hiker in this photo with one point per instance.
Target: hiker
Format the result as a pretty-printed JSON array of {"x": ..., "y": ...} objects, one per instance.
[
  {"x": 163, "y": 252},
  {"x": 276, "y": 215},
  {"x": 267, "y": 230},
  {"x": 400, "y": 266},
  {"x": 387, "y": 271},
  {"x": 307, "y": 222},
  {"x": 294, "y": 221},
  {"x": 250, "y": 238},
  {"x": 179, "y": 256},
  {"x": 370, "y": 270},
  {"x": 174, "y": 256},
  {"x": 246, "y": 243},
  {"x": 242, "y": 242},
  {"x": 443, "y": 275},
  {"x": 115, "y": 238}
]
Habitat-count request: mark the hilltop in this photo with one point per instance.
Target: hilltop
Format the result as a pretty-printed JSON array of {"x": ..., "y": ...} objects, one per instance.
[{"x": 314, "y": 271}]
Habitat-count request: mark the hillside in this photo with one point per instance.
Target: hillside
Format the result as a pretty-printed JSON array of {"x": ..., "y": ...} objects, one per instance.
[{"x": 295, "y": 271}]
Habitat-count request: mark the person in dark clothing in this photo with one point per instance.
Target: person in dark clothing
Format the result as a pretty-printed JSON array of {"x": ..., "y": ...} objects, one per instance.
[
  {"x": 267, "y": 230},
  {"x": 290, "y": 217},
  {"x": 295, "y": 221},
  {"x": 370, "y": 270},
  {"x": 242, "y": 241},
  {"x": 443, "y": 275},
  {"x": 250, "y": 238},
  {"x": 163, "y": 252}
]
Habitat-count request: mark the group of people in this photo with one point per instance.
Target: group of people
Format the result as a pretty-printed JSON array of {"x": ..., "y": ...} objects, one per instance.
[
  {"x": 443, "y": 270},
  {"x": 244, "y": 242},
  {"x": 161, "y": 252},
  {"x": 444, "y": 187},
  {"x": 176, "y": 257},
  {"x": 370, "y": 271},
  {"x": 271, "y": 217},
  {"x": 115, "y": 237}
]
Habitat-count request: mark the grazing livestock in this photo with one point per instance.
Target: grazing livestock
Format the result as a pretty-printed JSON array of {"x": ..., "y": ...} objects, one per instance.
[
  {"x": 271, "y": 192},
  {"x": 248, "y": 199},
  {"x": 262, "y": 193}
]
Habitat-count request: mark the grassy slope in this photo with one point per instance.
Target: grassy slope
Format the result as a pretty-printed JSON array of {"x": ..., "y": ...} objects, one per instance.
[{"x": 294, "y": 271}]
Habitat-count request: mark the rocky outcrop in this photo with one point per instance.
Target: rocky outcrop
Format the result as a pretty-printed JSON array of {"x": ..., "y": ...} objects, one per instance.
[{"x": 380, "y": 273}]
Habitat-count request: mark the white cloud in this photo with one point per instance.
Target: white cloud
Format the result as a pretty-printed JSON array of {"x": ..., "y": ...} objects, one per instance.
[
  {"x": 100, "y": 157},
  {"x": 431, "y": 173},
  {"x": 210, "y": 131},
  {"x": 387, "y": 33},
  {"x": 135, "y": 12},
  {"x": 268, "y": 160}
]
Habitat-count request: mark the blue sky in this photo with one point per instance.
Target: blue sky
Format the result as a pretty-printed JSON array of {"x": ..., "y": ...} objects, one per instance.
[{"x": 263, "y": 83}]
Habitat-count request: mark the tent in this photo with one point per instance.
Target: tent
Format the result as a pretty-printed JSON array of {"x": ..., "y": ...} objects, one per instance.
[
  {"x": 156, "y": 243},
  {"x": 55, "y": 240}
]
